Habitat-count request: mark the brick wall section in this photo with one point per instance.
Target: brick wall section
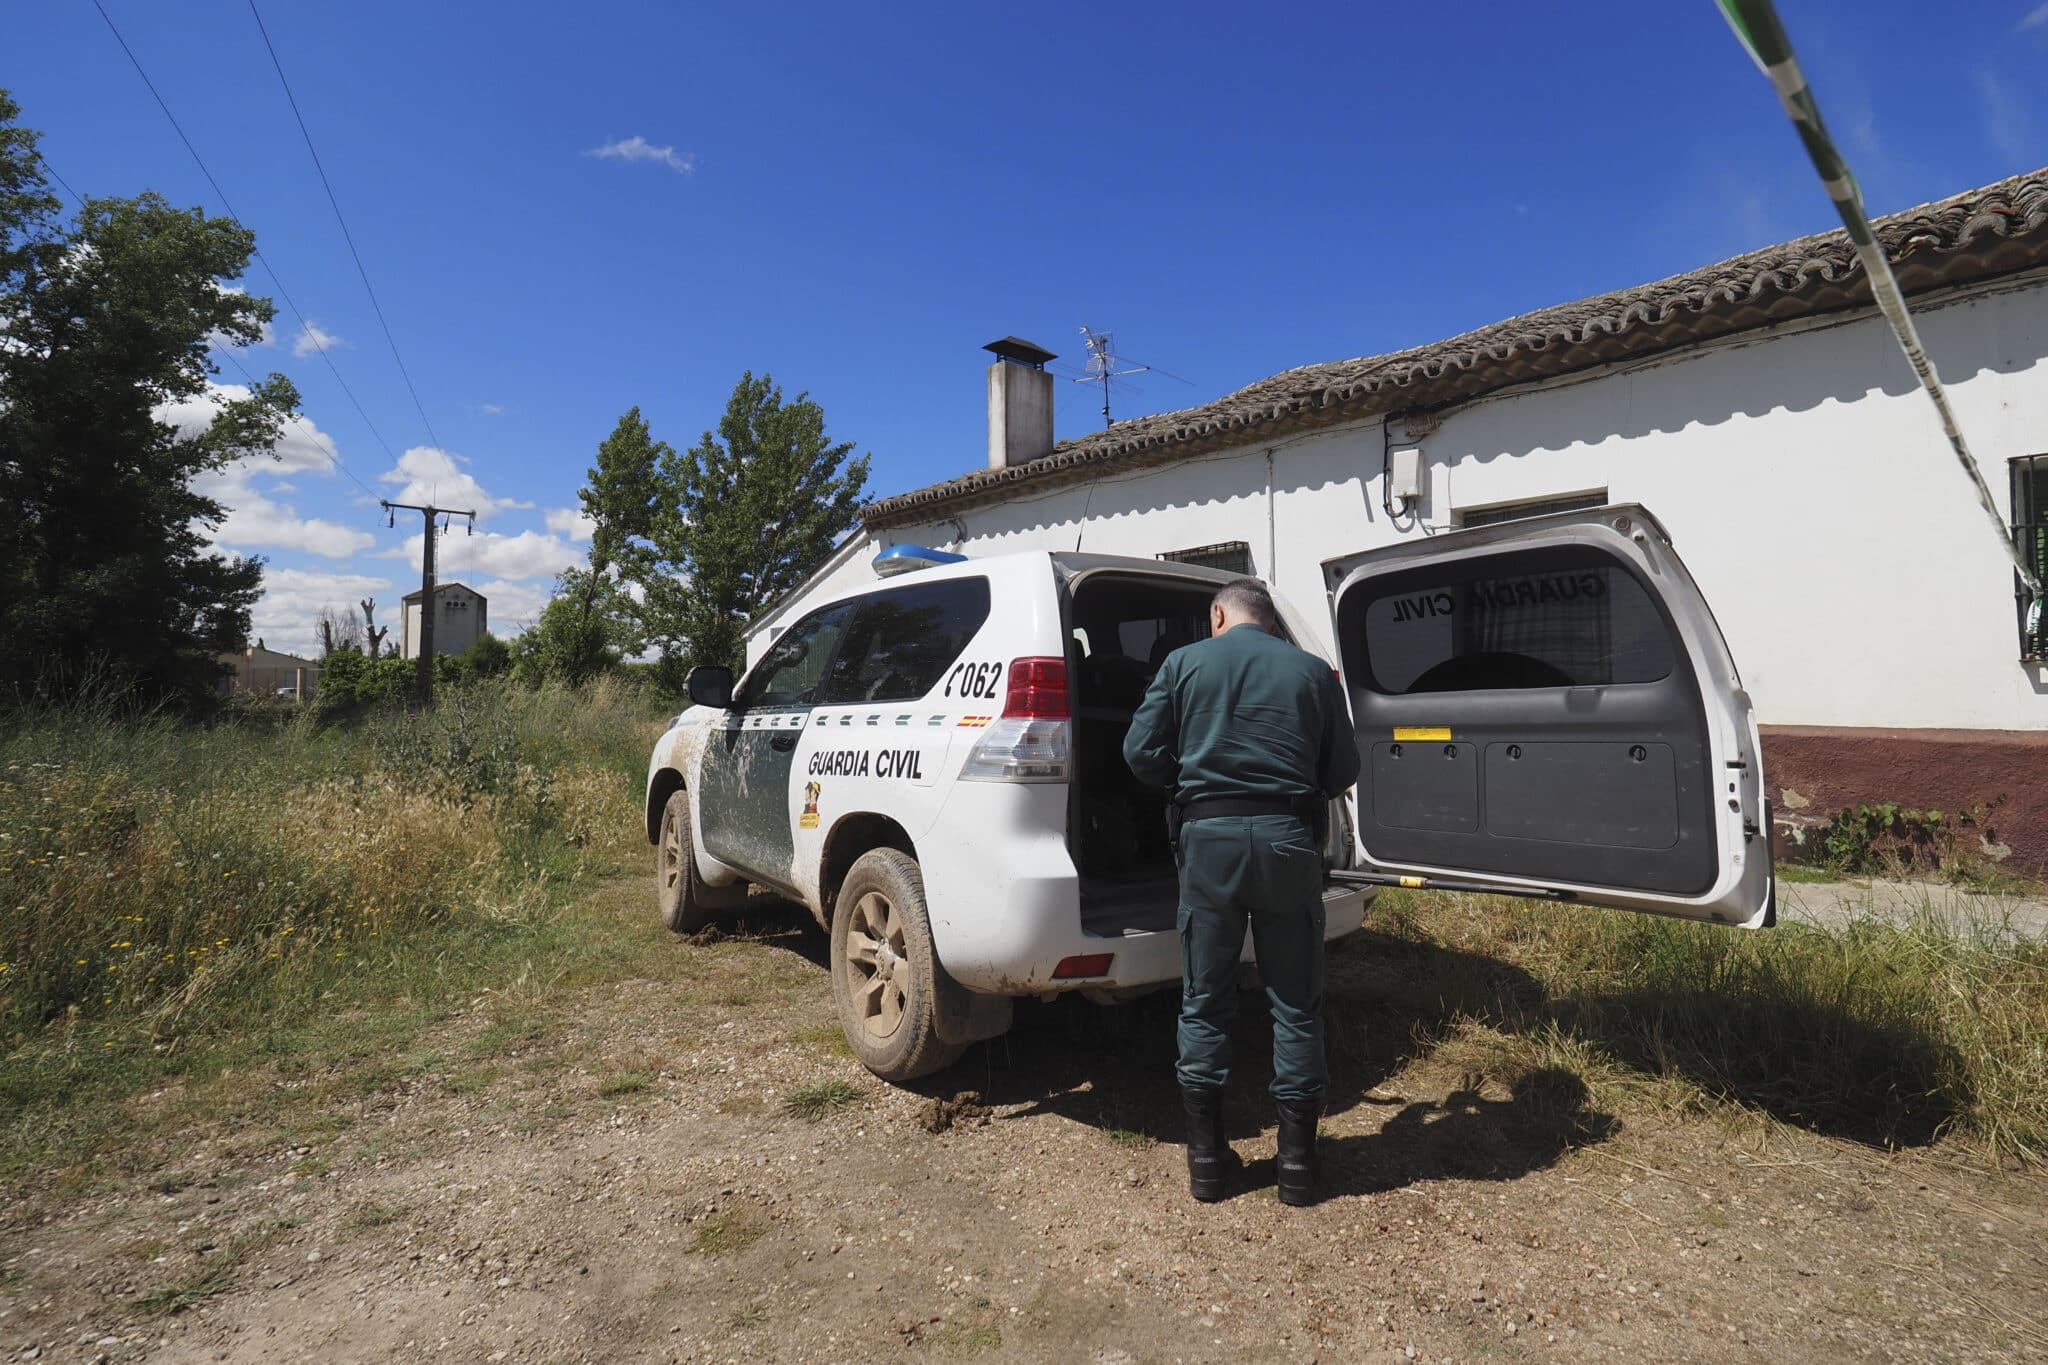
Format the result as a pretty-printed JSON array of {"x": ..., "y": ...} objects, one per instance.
[{"x": 1814, "y": 771}]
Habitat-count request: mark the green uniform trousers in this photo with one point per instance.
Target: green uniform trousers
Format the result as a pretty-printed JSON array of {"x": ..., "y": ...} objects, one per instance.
[{"x": 1265, "y": 869}]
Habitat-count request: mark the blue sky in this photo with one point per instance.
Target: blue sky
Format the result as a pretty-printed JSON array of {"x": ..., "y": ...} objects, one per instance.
[{"x": 855, "y": 198}]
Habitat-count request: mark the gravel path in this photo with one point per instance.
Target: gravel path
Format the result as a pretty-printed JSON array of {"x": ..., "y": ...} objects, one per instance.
[
  {"x": 1834, "y": 904},
  {"x": 629, "y": 1176}
]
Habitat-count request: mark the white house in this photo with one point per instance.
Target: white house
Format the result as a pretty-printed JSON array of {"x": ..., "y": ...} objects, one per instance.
[
  {"x": 461, "y": 618},
  {"x": 269, "y": 672},
  {"x": 1759, "y": 407}
]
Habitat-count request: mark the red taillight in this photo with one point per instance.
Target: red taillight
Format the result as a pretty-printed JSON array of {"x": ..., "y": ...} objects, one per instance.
[
  {"x": 1089, "y": 964},
  {"x": 1038, "y": 689}
]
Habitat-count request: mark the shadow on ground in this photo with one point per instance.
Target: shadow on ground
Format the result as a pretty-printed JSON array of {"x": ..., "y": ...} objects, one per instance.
[
  {"x": 1388, "y": 1001},
  {"x": 1814, "y": 1062}
]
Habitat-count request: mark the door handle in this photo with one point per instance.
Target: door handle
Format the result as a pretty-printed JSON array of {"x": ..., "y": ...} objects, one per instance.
[{"x": 783, "y": 741}]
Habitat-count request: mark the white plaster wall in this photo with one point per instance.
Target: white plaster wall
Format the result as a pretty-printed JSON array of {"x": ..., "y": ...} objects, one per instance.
[
  {"x": 1801, "y": 473},
  {"x": 454, "y": 630}
]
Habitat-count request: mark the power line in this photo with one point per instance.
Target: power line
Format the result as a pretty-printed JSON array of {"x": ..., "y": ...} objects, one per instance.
[
  {"x": 60, "y": 179},
  {"x": 324, "y": 446},
  {"x": 305, "y": 326},
  {"x": 349, "y": 237}
]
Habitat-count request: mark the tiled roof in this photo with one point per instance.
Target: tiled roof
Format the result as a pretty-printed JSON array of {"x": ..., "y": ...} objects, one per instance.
[
  {"x": 1996, "y": 230},
  {"x": 440, "y": 588}
]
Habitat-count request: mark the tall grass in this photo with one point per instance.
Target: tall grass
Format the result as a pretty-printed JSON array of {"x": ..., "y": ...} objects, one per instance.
[
  {"x": 1886, "y": 1033},
  {"x": 156, "y": 877}
]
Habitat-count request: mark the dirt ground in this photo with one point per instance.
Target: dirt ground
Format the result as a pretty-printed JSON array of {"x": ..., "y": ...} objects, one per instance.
[{"x": 687, "y": 1166}]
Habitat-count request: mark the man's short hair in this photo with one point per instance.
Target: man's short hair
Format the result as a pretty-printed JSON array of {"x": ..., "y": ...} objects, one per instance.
[{"x": 1250, "y": 599}]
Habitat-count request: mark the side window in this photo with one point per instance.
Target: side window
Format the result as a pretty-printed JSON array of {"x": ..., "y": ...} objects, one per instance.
[
  {"x": 789, "y": 673},
  {"x": 2030, "y": 533},
  {"x": 1495, "y": 513},
  {"x": 1542, "y": 618},
  {"x": 900, "y": 642},
  {"x": 1231, "y": 556}
]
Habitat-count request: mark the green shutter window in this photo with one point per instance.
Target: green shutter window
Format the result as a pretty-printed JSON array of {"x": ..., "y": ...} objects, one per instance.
[{"x": 2030, "y": 535}]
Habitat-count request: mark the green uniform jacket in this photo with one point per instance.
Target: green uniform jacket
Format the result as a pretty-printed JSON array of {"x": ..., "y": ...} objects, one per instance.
[{"x": 1243, "y": 714}]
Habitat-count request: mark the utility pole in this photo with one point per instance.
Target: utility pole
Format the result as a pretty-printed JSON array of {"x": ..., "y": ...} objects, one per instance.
[{"x": 427, "y": 603}]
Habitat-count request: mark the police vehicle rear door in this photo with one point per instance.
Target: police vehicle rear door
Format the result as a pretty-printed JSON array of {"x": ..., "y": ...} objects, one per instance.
[{"x": 1547, "y": 708}]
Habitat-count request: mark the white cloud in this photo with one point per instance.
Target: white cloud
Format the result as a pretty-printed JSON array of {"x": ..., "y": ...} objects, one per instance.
[
  {"x": 313, "y": 338},
  {"x": 255, "y": 519},
  {"x": 2005, "y": 118},
  {"x": 2036, "y": 17},
  {"x": 515, "y": 607},
  {"x": 492, "y": 410},
  {"x": 222, "y": 341},
  {"x": 301, "y": 446},
  {"x": 432, "y": 476},
  {"x": 526, "y": 555},
  {"x": 638, "y": 148},
  {"x": 292, "y": 600},
  {"x": 570, "y": 522}
]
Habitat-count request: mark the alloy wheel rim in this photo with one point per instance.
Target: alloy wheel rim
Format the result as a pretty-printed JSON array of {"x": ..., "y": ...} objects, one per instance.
[
  {"x": 877, "y": 972},
  {"x": 671, "y": 857}
]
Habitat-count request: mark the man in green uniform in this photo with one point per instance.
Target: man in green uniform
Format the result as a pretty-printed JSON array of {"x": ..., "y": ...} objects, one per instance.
[{"x": 1253, "y": 736}]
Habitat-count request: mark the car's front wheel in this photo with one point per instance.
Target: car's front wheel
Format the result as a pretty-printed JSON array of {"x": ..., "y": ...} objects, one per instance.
[
  {"x": 686, "y": 903},
  {"x": 884, "y": 970}
]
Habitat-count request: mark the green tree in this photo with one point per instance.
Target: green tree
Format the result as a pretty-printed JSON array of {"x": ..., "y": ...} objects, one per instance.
[
  {"x": 587, "y": 628},
  {"x": 741, "y": 517},
  {"x": 592, "y": 622},
  {"x": 104, "y": 564},
  {"x": 351, "y": 681}
]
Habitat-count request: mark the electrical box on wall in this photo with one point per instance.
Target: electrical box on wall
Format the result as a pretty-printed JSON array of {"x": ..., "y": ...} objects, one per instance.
[{"x": 1404, "y": 477}]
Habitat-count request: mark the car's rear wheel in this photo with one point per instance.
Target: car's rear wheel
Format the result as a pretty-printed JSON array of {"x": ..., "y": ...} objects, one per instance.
[
  {"x": 884, "y": 971},
  {"x": 678, "y": 890}
]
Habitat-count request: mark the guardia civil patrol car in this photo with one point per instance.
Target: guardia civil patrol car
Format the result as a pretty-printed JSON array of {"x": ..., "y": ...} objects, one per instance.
[{"x": 933, "y": 764}]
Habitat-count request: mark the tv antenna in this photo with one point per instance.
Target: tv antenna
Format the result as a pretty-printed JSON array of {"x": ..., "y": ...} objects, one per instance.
[{"x": 1102, "y": 365}]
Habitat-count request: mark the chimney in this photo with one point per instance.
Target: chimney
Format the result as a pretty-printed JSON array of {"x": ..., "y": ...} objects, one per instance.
[{"x": 1019, "y": 403}]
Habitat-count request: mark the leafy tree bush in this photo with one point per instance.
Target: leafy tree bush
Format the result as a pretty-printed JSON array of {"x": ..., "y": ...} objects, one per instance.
[
  {"x": 104, "y": 319},
  {"x": 740, "y": 518},
  {"x": 350, "y": 681},
  {"x": 586, "y": 629},
  {"x": 487, "y": 658}
]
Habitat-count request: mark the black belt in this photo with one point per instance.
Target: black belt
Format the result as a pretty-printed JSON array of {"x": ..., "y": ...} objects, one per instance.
[{"x": 1231, "y": 807}]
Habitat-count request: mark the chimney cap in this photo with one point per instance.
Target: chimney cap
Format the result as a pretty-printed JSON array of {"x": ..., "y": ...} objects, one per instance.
[{"x": 1021, "y": 352}]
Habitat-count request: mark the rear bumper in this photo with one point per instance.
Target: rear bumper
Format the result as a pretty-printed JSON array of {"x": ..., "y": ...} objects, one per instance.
[{"x": 1005, "y": 901}]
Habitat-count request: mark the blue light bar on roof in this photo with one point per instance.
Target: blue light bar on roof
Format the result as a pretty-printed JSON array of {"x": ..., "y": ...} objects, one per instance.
[{"x": 910, "y": 558}]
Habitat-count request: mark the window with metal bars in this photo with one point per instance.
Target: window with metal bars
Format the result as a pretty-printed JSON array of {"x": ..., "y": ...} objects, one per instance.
[
  {"x": 1538, "y": 507},
  {"x": 2030, "y": 533},
  {"x": 1232, "y": 556}
]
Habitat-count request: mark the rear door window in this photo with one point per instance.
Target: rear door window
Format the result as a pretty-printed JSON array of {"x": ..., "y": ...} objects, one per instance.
[
  {"x": 901, "y": 641},
  {"x": 1555, "y": 617}
]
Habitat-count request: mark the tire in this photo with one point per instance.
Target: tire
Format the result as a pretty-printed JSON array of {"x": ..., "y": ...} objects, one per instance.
[
  {"x": 884, "y": 972},
  {"x": 678, "y": 890}
]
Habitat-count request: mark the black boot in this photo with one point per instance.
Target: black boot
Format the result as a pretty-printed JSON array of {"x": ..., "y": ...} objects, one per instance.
[
  {"x": 1297, "y": 1162},
  {"x": 1211, "y": 1163}
]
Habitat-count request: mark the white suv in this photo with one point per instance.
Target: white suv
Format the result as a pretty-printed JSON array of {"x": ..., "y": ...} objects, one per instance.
[{"x": 934, "y": 765}]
